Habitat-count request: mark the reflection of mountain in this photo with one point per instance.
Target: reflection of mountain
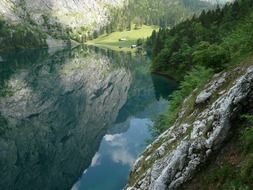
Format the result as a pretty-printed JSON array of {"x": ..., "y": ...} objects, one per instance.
[
  {"x": 149, "y": 112},
  {"x": 143, "y": 94},
  {"x": 54, "y": 119},
  {"x": 145, "y": 90}
]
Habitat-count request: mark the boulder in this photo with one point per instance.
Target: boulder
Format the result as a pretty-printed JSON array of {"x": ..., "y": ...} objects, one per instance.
[{"x": 203, "y": 97}]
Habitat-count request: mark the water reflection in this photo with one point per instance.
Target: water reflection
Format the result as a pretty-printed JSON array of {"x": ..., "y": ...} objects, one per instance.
[
  {"x": 115, "y": 156},
  {"x": 71, "y": 113}
]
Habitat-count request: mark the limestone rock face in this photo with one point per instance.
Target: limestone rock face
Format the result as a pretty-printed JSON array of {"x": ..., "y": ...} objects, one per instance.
[
  {"x": 176, "y": 155},
  {"x": 72, "y": 13}
]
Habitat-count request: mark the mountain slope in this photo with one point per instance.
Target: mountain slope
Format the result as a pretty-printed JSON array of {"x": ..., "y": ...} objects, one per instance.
[
  {"x": 90, "y": 13},
  {"x": 211, "y": 40},
  {"x": 45, "y": 23},
  {"x": 79, "y": 19},
  {"x": 161, "y": 12}
]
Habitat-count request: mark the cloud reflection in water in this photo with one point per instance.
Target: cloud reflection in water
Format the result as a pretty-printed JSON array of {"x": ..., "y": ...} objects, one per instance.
[{"x": 116, "y": 155}]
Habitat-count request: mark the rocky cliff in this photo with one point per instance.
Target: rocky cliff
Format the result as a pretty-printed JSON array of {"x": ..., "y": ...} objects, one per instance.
[
  {"x": 178, "y": 153},
  {"x": 71, "y": 13}
]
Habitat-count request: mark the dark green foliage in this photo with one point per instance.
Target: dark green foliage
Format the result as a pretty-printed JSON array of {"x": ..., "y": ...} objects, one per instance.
[
  {"x": 212, "y": 40},
  {"x": 247, "y": 135},
  {"x": 140, "y": 42},
  {"x": 247, "y": 168},
  {"x": 220, "y": 173},
  {"x": 226, "y": 177},
  {"x": 211, "y": 55},
  {"x": 164, "y": 13},
  {"x": 234, "y": 168},
  {"x": 20, "y": 36},
  {"x": 240, "y": 177}
]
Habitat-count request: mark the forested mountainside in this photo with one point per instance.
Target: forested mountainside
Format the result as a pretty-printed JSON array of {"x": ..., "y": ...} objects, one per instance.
[
  {"x": 194, "y": 50},
  {"x": 212, "y": 40},
  {"x": 29, "y": 23},
  {"x": 163, "y": 13}
]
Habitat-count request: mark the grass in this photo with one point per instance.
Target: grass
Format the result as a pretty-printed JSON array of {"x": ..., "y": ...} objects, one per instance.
[
  {"x": 232, "y": 169},
  {"x": 111, "y": 41}
]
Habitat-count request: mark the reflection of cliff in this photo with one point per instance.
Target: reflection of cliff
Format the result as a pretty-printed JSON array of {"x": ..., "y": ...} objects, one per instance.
[
  {"x": 143, "y": 93},
  {"x": 52, "y": 124}
]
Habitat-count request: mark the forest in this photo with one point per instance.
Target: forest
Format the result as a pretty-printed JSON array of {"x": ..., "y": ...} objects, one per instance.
[
  {"x": 20, "y": 36},
  {"x": 163, "y": 13},
  {"x": 27, "y": 34},
  {"x": 215, "y": 39}
]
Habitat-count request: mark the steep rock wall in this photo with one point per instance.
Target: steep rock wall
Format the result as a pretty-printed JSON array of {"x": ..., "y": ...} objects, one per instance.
[{"x": 72, "y": 13}]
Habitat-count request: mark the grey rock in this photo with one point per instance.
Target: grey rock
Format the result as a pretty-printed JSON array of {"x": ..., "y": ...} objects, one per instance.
[
  {"x": 160, "y": 152},
  {"x": 202, "y": 97},
  {"x": 72, "y": 13},
  {"x": 208, "y": 152}
]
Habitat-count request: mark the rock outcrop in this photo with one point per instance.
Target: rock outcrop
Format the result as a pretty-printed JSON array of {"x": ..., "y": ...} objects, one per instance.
[
  {"x": 178, "y": 153},
  {"x": 86, "y": 13}
]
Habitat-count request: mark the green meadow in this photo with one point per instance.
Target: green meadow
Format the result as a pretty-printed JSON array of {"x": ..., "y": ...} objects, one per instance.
[{"x": 112, "y": 41}]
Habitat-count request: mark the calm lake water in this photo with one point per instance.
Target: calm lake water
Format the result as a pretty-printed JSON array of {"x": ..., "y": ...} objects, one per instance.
[{"x": 75, "y": 119}]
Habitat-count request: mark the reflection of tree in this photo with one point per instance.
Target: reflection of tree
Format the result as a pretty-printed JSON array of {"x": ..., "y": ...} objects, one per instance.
[
  {"x": 163, "y": 87},
  {"x": 145, "y": 88},
  {"x": 14, "y": 61}
]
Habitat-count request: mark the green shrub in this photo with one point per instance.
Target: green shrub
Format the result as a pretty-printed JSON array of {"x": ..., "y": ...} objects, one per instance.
[
  {"x": 211, "y": 55},
  {"x": 247, "y": 140},
  {"x": 220, "y": 174},
  {"x": 248, "y": 118},
  {"x": 247, "y": 169},
  {"x": 235, "y": 185}
]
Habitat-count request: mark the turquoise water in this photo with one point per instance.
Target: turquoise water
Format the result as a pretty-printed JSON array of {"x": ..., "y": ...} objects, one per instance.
[
  {"x": 75, "y": 119},
  {"x": 116, "y": 154}
]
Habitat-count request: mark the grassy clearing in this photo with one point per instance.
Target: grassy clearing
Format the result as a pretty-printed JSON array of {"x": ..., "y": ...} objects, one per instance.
[{"x": 111, "y": 41}]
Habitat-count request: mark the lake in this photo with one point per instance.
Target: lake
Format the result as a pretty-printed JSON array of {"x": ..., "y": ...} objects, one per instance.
[{"x": 75, "y": 119}]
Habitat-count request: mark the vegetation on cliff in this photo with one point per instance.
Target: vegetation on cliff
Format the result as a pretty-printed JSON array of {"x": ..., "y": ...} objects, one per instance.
[
  {"x": 20, "y": 36},
  {"x": 212, "y": 40},
  {"x": 195, "y": 49},
  {"x": 233, "y": 167}
]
